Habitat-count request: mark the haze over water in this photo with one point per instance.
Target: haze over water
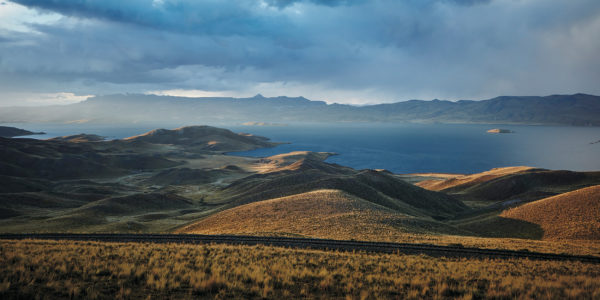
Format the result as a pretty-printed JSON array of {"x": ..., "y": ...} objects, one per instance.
[
  {"x": 413, "y": 148},
  {"x": 406, "y": 148}
]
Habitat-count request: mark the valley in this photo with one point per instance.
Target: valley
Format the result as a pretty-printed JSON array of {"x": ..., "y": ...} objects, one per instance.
[
  {"x": 183, "y": 181},
  {"x": 281, "y": 213}
]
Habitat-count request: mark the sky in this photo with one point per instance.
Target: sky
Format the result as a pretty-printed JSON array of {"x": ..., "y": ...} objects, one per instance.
[{"x": 344, "y": 51}]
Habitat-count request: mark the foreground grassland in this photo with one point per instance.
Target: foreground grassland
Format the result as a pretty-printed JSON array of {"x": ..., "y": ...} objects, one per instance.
[{"x": 49, "y": 269}]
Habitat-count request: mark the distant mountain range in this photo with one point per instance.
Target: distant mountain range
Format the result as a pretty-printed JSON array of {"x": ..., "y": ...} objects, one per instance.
[{"x": 577, "y": 110}]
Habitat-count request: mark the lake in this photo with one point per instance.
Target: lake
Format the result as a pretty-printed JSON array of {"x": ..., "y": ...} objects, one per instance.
[
  {"x": 413, "y": 148},
  {"x": 406, "y": 148}
]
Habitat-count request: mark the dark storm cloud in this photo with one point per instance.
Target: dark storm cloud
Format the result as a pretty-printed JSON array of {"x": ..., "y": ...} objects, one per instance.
[
  {"x": 285, "y": 3},
  {"x": 391, "y": 49},
  {"x": 192, "y": 17}
]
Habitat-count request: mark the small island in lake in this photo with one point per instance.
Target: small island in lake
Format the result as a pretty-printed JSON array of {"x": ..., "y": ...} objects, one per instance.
[{"x": 498, "y": 130}]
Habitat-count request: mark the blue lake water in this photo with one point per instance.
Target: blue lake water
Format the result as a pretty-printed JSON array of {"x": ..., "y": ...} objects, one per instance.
[
  {"x": 406, "y": 148},
  {"x": 412, "y": 148}
]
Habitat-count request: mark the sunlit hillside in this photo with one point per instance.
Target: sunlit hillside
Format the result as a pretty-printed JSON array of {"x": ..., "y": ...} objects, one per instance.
[
  {"x": 464, "y": 181},
  {"x": 322, "y": 213},
  {"x": 574, "y": 215}
]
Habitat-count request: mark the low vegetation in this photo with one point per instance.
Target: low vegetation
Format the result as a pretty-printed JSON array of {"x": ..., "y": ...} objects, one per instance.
[
  {"x": 521, "y": 184},
  {"x": 50, "y": 269},
  {"x": 572, "y": 216},
  {"x": 457, "y": 180},
  {"x": 330, "y": 214}
]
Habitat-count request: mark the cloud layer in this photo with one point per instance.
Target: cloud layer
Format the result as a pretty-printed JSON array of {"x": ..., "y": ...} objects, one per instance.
[{"x": 354, "y": 51}]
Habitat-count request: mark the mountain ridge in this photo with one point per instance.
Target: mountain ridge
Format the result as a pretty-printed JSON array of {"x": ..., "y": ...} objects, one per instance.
[{"x": 574, "y": 110}]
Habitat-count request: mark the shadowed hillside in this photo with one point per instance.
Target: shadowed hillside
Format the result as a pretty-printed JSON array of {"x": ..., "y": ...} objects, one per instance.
[
  {"x": 89, "y": 156},
  {"x": 86, "y": 183},
  {"x": 573, "y": 215},
  {"x": 116, "y": 213},
  {"x": 79, "y": 138},
  {"x": 204, "y": 138},
  {"x": 6, "y": 131},
  {"x": 57, "y": 159},
  {"x": 187, "y": 176}
]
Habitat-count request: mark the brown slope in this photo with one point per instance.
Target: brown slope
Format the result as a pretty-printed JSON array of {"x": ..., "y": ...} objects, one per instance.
[
  {"x": 465, "y": 181},
  {"x": 572, "y": 215},
  {"x": 284, "y": 161},
  {"x": 529, "y": 186},
  {"x": 322, "y": 214},
  {"x": 377, "y": 187},
  {"x": 522, "y": 184}
]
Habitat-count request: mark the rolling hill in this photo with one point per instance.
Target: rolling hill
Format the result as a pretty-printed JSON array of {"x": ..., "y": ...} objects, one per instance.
[
  {"x": 320, "y": 213},
  {"x": 491, "y": 193},
  {"x": 89, "y": 156},
  {"x": 515, "y": 184},
  {"x": 570, "y": 216},
  {"x": 7, "y": 132},
  {"x": 204, "y": 138},
  {"x": 465, "y": 181},
  {"x": 309, "y": 174},
  {"x": 64, "y": 159}
]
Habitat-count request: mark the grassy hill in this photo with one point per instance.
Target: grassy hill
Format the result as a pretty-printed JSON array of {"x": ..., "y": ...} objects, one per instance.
[
  {"x": 513, "y": 184},
  {"x": 59, "y": 159},
  {"x": 309, "y": 174},
  {"x": 465, "y": 181},
  {"x": 7, "y": 131},
  {"x": 322, "y": 213},
  {"x": 204, "y": 138},
  {"x": 574, "y": 215}
]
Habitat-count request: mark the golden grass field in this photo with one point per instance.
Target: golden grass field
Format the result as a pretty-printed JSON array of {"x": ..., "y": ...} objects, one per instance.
[
  {"x": 49, "y": 270},
  {"x": 570, "y": 216}
]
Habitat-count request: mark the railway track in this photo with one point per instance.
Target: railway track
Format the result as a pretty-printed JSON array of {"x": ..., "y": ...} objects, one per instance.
[{"x": 308, "y": 243}]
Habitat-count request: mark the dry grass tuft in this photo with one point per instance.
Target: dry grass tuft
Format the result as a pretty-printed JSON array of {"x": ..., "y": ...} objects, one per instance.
[{"x": 66, "y": 269}]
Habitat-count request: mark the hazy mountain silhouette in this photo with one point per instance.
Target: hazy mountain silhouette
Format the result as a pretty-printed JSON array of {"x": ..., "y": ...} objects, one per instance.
[{"x": 577, "y": 109}]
